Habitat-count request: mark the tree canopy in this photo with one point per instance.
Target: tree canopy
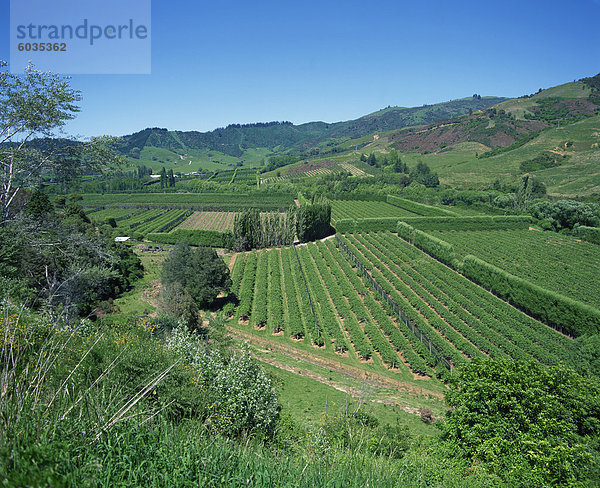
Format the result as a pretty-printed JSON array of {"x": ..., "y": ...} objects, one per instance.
[
  {"x": 199, "y": 271},
  {"x": 534, "y": 425}
]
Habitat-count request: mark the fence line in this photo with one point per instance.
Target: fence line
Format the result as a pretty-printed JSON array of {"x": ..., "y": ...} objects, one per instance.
[{"x": 397, "y": 310}]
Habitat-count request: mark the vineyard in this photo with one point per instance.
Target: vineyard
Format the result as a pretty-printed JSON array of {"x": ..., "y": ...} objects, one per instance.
[
  {"x": 139, "y": 222},
  {"x": 219, "y": 221},
  {"x": 360, "y": 209},
  {"x": 198, "y": 201},
  {"x": 570, "y": 267},
  {"x": 330, "y": 304}
]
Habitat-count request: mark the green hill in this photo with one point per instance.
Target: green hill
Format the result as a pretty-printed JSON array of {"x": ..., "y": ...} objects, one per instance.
[
  {"x": 249, "y": 144},
  {"x": 553, "y": 134}
]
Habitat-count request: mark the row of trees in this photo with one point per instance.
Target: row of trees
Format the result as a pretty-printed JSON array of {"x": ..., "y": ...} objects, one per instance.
[{"x": 253, "y": 229}]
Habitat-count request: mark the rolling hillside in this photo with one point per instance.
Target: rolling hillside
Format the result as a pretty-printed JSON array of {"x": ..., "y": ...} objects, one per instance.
[
  {"x": 249, "y": 144},
  {"x": 553, "y": 134}
]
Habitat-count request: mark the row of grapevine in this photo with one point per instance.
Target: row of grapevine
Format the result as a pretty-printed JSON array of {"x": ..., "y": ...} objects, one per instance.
[
  {"x": 199, "y": 201},
  {"x": 219, "y": 221},
  {"x": 246, "y": 288},
  {"x": 329, "y": 325},
  {"x": 160, "y": 223},
  {"x": 519, "y": 333},
  {"x": 415, "y": 309},
  {"x": 399, "y": 340},
  {"x": 470, "y": 318},
  {"x": 298, "y": 311},
  {"x": 276, "y": 293},
  {"x": 259, "y": 307},
  {"x": 275, "y": 305}
]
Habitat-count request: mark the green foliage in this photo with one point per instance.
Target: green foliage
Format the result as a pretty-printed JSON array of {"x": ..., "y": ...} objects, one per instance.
[
  {"x": 372, "y": 224},
  {"x": 593, "y": 82},
  {"x": 423, "y": 174},
  {"x": 569, "y": 266},
  {"x": 530, "y": 424},
  {"x": 359, "y": 209},
  {"x": 252, "y": 230},
  {"x": 587, "y": 358},
  {"x": 201, "y": 273},
  {"x": 471, "y": 223},
  {"x": 39, "y": 205},
  {"x": 431, "y": 245},
  {"x": 590, "y": 234},
  {"x": 211, "y": 238},
  {"x": 226, "y": 202},
  {"x": 313, "y": 221},
  {"x": 565, "y": 214},
  {"x": 543, "y": 161},
  {"x": 550, "y": 307}
]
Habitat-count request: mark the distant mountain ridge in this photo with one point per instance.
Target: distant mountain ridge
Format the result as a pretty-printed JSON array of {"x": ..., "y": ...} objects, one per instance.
[{"x": 234, "y": 139}]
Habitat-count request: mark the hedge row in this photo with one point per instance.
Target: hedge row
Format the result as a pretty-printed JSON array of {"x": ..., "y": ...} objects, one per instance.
[
  {"x": 433, "y": 246},
  {"x": 210, "y": 238},
  {"x": 590, "y": 234},
  {"x": 549, "y": 307},
  {"x": 483, "y": 222},
  {"x": 372, "y": 224},
  {"x": 418, "y": 208},
  {"x": 358, "y": 196},
  {"x": 476, "y": 222}
]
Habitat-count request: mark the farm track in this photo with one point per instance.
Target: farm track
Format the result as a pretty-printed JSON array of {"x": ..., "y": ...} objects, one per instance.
[{"x": 374, "y": 379}]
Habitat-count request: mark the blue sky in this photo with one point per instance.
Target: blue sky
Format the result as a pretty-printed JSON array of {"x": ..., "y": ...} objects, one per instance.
[{"x": 215, "y": 63}]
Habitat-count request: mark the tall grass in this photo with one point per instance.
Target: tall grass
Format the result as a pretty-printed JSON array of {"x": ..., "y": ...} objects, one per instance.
[{"x": 118, "y": 408}]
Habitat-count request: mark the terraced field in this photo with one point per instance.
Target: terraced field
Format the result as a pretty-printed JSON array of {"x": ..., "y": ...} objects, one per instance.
[
  {"x": 557, "y": 262},
  {"x": 140, "y": 222}
]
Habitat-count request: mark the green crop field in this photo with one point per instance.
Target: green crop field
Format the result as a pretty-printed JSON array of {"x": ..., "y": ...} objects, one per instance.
[
  {"x": 219, "y": 221},
  {"x": 337, "y": 311},
  {"x": 358, "y": 209},
  {"x": 557, "y": 262},
  {"x": 197, "y": 201}
]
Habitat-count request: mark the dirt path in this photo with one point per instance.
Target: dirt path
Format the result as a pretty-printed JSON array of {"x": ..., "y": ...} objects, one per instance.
[
  {"x": 346, "y": 389},
  {"x": 232, "y": 261},
  {"x": 353, "y": 372}
]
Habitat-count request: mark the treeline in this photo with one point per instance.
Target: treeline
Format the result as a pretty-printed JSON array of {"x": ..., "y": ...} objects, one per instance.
[
  {"x": 252, "y": 230},
  {"x": 309, "y": 222}
]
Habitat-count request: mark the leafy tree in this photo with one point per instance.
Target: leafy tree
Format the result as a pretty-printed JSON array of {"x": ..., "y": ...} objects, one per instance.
[
  {"x": 171, "y": 178},
  {"x": 372, "y": 160},
  {"x": 39, "y": 205},
  {"x": 201, "y": 273},
  {"x": 34, "y": 106},
  {"x": 564, "y": 214},
  {"x": 422, "y": 174},
  {"x": 532, "y": 424},
  {"x": 313, "y": 221},
  {"x": 163, "y": 177}
]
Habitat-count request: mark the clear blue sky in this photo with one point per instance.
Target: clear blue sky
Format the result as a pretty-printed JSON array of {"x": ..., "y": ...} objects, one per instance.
[{"x": 215, "y": 63}]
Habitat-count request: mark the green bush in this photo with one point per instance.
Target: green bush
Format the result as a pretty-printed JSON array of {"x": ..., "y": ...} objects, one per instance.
[
  {"x": 371, "y": 224},
  {"x": 590, "y": 234},
  {"x": 433, "y": 246},
  {"x": 531, "y": 424}
]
